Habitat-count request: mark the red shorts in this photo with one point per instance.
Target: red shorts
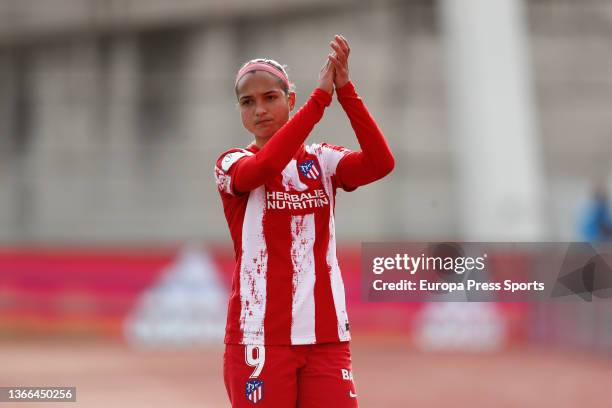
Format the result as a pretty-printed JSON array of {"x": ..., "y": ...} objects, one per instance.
[{"x": 308, "y": 376}]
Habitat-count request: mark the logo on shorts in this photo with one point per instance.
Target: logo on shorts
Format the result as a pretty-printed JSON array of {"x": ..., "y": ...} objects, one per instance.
[
  {"x": 346, "y": 374},
  {"x": 309, "y": 169},
  {"x": 254, "y": 390}
]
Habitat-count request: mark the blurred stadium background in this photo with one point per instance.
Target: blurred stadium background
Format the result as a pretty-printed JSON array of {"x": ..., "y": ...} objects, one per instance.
[{"x": 115, "y": 258}]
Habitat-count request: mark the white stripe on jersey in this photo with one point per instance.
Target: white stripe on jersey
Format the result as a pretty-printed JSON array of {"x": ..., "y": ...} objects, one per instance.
[
  {"x": 253, "y": 270},
  {"x": 328, "y": 157},
  {"x": 303, "y": 259}
]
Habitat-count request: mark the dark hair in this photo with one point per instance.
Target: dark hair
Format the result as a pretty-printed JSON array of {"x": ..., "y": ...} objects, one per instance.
[{"x": 276, "y": 65}]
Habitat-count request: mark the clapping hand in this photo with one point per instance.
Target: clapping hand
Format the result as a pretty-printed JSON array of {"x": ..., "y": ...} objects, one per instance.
[
  {"x": 326, "y": 76},
  {"x": 339, "y": 59}
]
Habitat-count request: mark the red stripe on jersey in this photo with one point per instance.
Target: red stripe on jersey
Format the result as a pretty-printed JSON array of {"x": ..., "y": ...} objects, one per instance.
[
  {"x": 326, "y": 321},
  {"x": 279, "y": 281}
]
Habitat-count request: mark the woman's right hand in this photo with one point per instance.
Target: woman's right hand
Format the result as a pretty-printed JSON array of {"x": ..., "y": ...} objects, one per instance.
[{"x": 326, "y": 76}]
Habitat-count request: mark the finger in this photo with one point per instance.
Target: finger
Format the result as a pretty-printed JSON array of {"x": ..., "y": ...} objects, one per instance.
[
  {"x": 325, "y": 69},
  {"x": 345, "y": 44},
  {"x": 339, "y": 51},
  {"x": 336, "y": 47},
  {"x": 327, "y": 62},
  {"x": 339, "y": 66},
  {"x": 328, "y": 66},
  {"x": 341, "y": 42},
  {"x": 344, "y": 48},
  {"x": 335, "y": 44}
]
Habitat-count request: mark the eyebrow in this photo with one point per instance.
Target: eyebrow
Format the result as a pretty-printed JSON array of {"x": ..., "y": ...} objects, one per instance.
[{"x": 272, "y": 91}]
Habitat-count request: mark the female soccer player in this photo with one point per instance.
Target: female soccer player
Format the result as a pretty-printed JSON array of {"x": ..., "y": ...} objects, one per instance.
[{"x": 287, "y": 335}]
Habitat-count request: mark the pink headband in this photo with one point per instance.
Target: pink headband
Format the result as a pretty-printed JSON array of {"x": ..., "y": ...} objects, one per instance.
[{"x": 260, "y": 66}]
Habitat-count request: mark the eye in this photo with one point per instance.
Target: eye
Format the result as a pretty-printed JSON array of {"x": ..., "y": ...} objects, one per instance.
[
  {"x": 271, "y": 97},
  {"x": 246, "y": 102}
]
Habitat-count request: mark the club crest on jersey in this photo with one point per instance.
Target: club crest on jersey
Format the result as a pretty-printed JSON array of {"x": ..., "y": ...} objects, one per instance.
[
  {"x": 254, "y": 390},
  {"x": 309, "y": 169}
]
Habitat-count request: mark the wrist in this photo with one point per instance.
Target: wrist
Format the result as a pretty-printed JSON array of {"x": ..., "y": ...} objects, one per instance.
[
  {"x": 322, "y": 95},
  {"x": 342, "y": 83},
  {"x": 329, "y": 91},
  {"x": 348, "y": 89}
]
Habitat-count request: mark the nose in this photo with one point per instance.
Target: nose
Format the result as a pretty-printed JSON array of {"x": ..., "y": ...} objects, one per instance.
[{"x": 260, "y": 109}]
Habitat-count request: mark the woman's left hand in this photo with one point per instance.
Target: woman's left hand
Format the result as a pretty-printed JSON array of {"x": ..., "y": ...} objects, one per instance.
[{"x": 340, "y": 60}]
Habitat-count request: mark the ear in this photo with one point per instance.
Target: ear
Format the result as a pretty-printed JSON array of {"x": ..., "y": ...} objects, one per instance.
[{"x": 291, "y": 98}]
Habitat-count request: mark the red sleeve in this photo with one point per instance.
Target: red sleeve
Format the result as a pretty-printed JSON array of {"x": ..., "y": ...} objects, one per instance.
[
  {"x": 375, "y": 159},
  {"x": 254, "y": 170}
]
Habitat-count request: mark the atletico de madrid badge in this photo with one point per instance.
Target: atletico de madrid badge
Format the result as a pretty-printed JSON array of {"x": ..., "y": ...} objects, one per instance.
[
  {"x": 254, "y": 390},
  {"x": 309, "y": 169}
]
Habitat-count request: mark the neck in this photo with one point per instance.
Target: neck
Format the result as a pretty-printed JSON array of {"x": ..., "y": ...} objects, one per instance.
[{"x": 260, "y": 142}]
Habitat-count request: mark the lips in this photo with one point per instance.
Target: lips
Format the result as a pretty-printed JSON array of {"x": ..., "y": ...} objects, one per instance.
[{"x": 263, "y": 121}]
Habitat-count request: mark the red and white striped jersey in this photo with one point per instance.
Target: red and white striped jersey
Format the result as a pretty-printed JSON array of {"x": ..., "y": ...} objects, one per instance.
[{"x": 286, "y": 288}]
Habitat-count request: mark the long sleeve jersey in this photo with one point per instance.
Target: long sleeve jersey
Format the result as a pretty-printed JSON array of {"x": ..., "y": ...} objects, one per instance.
[{"x": 279, "y": 202}]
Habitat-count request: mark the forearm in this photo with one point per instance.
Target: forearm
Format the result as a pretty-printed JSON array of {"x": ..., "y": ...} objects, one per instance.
[
  {"x": 253, "y": 171},
  {"x": 375, "y": 159}
]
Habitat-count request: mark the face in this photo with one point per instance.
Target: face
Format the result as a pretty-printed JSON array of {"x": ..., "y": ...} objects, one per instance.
[{"x": 264, "y": 107}]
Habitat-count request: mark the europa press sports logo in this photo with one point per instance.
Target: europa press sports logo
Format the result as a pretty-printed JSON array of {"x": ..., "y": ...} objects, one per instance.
[
  {"x": 254, "y": 390},
  {"x": 309, "y": 169}
]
